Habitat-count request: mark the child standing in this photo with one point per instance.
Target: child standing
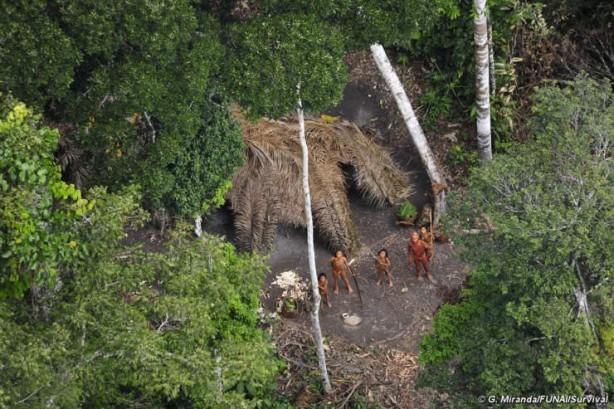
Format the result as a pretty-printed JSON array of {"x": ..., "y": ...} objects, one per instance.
[
  {"x": 382, "y": 267},
  {"x": 323, "y": 288}
]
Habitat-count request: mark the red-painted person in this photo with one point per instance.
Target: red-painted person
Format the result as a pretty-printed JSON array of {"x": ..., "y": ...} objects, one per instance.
[
  {"x": 338, "y": 264},
  {"x": 416, "y": 253}
]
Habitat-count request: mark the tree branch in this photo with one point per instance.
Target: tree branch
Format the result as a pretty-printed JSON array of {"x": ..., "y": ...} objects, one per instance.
[
  {"x": 29, "y": 396},
  {"x": 153, "y": 130}
]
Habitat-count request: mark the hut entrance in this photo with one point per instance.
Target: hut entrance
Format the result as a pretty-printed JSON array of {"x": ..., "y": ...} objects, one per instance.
[{"x": 350, "y": 174}]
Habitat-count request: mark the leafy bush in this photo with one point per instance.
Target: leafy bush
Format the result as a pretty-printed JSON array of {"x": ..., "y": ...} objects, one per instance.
[
  {"x": 38, "y": 210},
  {"x": 407, "y": 211},
  {"x": 459, "y": 156},
  {"x": 186, "y": 174}
]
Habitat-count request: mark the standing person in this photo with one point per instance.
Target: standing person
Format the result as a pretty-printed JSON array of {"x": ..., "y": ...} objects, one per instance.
[
  {"x": 323, "y": 288},
  {"x": 416, "y": 253},
  {"x": 429, "y": 240},
  {"x": 339, "y": 263},
  {"x": 382, "y": 267}
]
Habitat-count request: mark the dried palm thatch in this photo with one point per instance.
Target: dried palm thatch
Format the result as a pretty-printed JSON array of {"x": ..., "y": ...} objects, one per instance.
[{"x": 267, "y": 190}]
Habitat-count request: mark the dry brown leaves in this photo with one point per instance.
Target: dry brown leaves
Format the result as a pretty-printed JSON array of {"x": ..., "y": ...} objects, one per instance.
[{"x": 358, "y": 375}]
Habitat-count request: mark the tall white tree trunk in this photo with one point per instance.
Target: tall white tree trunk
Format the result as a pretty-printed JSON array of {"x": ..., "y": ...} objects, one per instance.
[
  {"x": 415, "y": 130},
  {"x": 491, "y": 60},
  {"x": 482, "y": 78},
  {"x": 315, "y": 314}
]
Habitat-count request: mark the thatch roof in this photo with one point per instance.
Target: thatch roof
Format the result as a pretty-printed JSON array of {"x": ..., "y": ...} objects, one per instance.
[{"x": 268, "y": 189}]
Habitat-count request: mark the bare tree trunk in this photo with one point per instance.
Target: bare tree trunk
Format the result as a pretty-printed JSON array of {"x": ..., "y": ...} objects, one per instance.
[
  {"x": 482, "y": 94},
  {"x": 491, "y": 60},
  {"x": 315, "y": 314},
  {"x": 415, "y": 130},
  {"x": 198, "y": 226}
]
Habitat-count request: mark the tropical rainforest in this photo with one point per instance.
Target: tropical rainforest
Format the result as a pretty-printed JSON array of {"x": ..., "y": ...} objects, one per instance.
[{"x": 123, "y": 117}]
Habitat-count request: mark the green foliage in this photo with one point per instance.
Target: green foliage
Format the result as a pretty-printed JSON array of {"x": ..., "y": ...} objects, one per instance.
[
  {"x": 290, "y": 303},
  {"x": 363, "y": 22},
  {"x": 37, "y": 209},
  {"x": 127, "y": 77},
  {"x": 445, "y": 45},
  {"x": 458, "y": 156},
  {"x": 186, "y": 174},
  {"x": 407, "y": 211},
  {"x": 37, "y": 58},
  {"x": 35, "y": 363},
  {"x": 107, "y": 324},
  {"x": 268, "y": 57},
  {"x": 520, "y": 329},
  {"x": 435, "y": 105},
  {"x": 442, "y": 344},
  {"x": 141, "y": 56},
  {"x": 135, "y": 328}
]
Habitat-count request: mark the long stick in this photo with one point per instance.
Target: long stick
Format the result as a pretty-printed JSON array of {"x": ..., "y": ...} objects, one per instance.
[
  {"x": 432, "y": 240},
  {"x": 357, "y": 287}
]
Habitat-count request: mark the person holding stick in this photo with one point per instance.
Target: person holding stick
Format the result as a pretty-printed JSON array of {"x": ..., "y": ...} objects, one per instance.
[
  {"x": 382, "y": 267},
  {"x": 338, "y": 264},
  {"x": 428, "y": 239}
]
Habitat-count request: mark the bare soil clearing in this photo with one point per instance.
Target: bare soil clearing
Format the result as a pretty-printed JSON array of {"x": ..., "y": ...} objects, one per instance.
[{"x": 396, "y": 315}]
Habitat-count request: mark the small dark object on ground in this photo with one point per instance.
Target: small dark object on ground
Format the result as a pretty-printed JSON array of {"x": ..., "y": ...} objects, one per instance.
[{"x": 441, "y": 238}]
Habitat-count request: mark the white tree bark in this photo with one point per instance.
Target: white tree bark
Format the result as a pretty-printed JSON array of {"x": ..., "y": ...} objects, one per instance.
[
  {"x": 315, "y": 314},
  {"x": 198, "y": 226},
  {"x": 491, "y": 60},
  {"x": 415, "y": 130},
  {"x": 482, "y": 78}
]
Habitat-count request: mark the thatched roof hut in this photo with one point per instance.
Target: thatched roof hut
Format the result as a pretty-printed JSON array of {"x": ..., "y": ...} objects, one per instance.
[{"x": 267, "y": 190}]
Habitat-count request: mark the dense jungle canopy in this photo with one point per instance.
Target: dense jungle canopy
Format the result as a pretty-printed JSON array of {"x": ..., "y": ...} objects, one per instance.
[{"x": 117, "y": 119}]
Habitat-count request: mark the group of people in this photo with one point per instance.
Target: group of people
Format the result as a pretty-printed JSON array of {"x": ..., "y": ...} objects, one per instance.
[{"x": 419, "y": 252}]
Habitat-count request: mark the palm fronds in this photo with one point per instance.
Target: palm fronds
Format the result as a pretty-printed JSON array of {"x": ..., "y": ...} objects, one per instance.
[
  {"x": 268, "y": 189},
  {"x": 70, "y": 159}
]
